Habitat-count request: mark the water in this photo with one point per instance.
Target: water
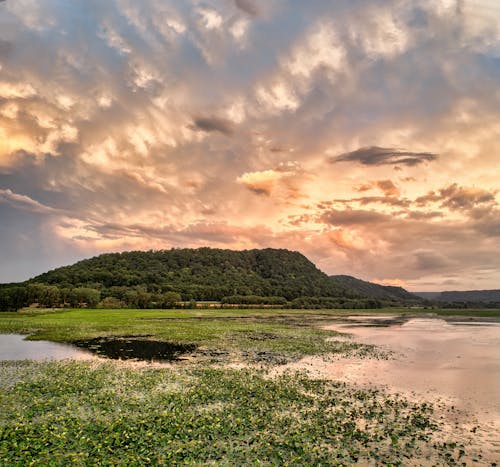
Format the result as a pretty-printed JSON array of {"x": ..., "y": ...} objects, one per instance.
[
  {"x": 459, "y": 360},
  {"x": 136, "y": 348},
  {"x": 14, "y": 347},
  {"x": 453, "y": 362}
]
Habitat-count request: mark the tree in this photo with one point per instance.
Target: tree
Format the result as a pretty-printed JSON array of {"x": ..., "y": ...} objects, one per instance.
[
  {"x": 169, "y": 299},
  {"x": 84, "y": 296}
]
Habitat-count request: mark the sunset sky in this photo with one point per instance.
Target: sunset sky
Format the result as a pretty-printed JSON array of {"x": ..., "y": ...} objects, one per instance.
[{"x": 364, "y": 134}]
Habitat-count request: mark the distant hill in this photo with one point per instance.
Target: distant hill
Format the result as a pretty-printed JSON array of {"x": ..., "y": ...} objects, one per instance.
[
  {"x": 369, "y": 289},
  {"x": 469, "y": 296}
]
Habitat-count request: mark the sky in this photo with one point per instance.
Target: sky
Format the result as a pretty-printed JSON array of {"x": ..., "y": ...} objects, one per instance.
[{"x": 364, "y": 134}]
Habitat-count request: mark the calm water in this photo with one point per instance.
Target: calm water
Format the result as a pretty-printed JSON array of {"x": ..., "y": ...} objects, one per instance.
[
  {"x": 14, "y": 347},
  {"x": 456, "y": 360}
]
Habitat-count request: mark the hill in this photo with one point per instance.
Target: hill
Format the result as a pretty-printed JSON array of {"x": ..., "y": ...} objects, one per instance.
[
  {"x": 147, "y": 279},
  {"x": 201, "y": 274},
  {"x": 369, "y": 289},
  {"x": 466, "y": 296}
]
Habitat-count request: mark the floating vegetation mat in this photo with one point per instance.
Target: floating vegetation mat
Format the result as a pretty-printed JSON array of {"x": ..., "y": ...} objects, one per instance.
[{"x": 94, "y": 413}]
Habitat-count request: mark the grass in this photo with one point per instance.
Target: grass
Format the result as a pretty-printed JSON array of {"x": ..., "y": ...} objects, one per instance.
[
  {"x": 88, "y": 413},
  {"x": 247, "y": 334}
]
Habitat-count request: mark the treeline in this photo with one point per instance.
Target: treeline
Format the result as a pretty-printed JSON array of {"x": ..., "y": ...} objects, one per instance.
[
  {"x": 253, "y": 300},
  {"x": 13, "y": 298},
  {"x": 338, "y": 303}
]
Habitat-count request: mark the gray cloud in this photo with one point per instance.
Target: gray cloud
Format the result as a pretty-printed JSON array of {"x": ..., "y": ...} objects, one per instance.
[
  {"x": 211, "y": 124},
  {"x": 375, "y": 155},
  {"x": 430, "y": 260},
  {"x": 25, "y": 203},
  {"x": 248, "y": 6},
  {"x": 460, "y": 198},
  {"x": 352, "y": 217}
]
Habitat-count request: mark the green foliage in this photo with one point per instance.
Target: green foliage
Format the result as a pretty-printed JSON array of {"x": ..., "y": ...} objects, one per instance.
[
  {"x": 111, "y": 303},
  {"x": 240, "y": 334},
  {"x": 79, "y": 413},
  {"x": 12, "y": 298},
  {"x": 203, "y": 274},
  {"x": 84, "y": 296},
  {"x": 162, "y": 279},
  {"x": 377, "y": 291}
]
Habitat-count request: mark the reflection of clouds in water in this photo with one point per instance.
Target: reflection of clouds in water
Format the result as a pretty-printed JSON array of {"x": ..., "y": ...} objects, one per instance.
[
  {"x": 15, "y": 347},
  {"x": 457, "y": 361}
]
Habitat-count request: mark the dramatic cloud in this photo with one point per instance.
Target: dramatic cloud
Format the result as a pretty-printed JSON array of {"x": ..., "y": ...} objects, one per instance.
[
  {"x": 314, "y": 126},
  {"x": 384, "y": 156}
]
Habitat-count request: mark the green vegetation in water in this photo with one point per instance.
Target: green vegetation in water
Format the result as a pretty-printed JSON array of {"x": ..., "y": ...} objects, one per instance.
[
  {"x": 82, "y": 413},
  {"x": 258, "y": 336},
  {"x": 262, "y": 336}
]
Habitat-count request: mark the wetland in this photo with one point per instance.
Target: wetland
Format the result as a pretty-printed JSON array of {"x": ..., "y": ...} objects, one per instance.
[{"x": 247, "y": 386}]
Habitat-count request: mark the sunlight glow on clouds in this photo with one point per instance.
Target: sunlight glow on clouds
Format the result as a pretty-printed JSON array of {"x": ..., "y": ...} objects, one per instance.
[{"x": 364, "y": 134}]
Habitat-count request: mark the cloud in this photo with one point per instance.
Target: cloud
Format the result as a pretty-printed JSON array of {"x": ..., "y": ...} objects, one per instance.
[
  {"x": 430, "y": 260},
  {"x": 459, "y": 198},
  {"x": 168, "y": 123},
  {"x": 375, "y": 155},
  {"x": 388, "y": 187},
  {"x": 211, "y": 124},
  {"x": 352, "y": 217},
  {"x": 248, "y": 6},
  {"x": 25, "y": 203},
  {"x": 262, "y": 182},
  {"x": 287, "y": 176}
]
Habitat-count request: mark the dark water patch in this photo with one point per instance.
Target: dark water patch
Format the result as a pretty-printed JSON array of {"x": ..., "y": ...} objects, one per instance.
[{"x": 129, "y": 348}]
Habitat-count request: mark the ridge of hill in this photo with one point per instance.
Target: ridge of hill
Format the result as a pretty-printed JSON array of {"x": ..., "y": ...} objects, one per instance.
[
  {"x": 470, "y": 296},
  {"x": 372, "y": 290}
]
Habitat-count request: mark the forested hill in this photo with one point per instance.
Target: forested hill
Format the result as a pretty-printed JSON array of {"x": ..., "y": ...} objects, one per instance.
[
  {"x": 179, "y": 277},
  {"x": 369, "y": 289},
  {"x": 202, "y": 274}
]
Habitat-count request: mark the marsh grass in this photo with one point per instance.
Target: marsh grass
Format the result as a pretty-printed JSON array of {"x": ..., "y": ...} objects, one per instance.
[
  {"x": 80, "y": 413},
  {"x": 257, "y": 337}
]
